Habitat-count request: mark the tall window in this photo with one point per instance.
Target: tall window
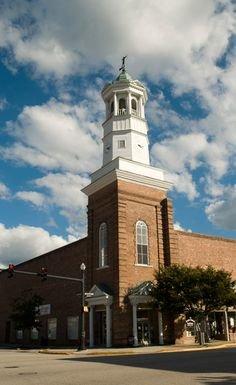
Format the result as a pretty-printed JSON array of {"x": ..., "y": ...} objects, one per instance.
[
  {"x": 72, "y": 328},
  {"x": 52, "y": 328},
  {"x": 122, "y": 103},
  {"x": 103, "y": 245},
  {"x": 122, "y": 107},
  {"x": 142, "y": 242},
  {"x": 133, "y": 104}
]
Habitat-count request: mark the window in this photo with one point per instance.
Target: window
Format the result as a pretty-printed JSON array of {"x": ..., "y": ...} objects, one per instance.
[
  {"x": 121, "y": 144},
  {"x": 103, "y": 245},
  {"x": 122, "y": 103},
  {"x": 52, "y": 328},
  {"x": 142, "y": 242},
  {"x": 73, "y": 328},
  {"x": 122, "y": 107},
  {"x": 19, "y": 334},
  {"x": 34, "y": 334},
  {"x": 133, "y": 104}
]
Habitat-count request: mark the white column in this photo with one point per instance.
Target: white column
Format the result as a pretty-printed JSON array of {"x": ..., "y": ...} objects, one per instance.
[
  {"x": 160, "y": 328},
  {"x": 91, "y": 332},
  {"x": 135, "y": 326},
  {"x": 115, "y": 104},
  {"x": 108, "y": 326},
  {"x": 141, "y": 108},
  {"x": 226, "y": 326},
  {"x": 129, "y": 104}
]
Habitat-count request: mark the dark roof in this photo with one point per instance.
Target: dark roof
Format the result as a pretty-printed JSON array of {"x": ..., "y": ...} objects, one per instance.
[{"x": 144, "y": 288}]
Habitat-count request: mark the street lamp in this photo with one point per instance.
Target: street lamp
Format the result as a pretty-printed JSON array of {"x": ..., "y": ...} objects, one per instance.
[{"x": 82, "y": 335}]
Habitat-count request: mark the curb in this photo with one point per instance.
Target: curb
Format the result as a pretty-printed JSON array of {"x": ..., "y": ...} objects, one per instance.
[{"x": 136, "y": 352}]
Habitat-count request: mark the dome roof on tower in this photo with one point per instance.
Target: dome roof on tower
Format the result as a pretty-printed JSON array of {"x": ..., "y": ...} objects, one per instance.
[{"x": 123, "y": 77}]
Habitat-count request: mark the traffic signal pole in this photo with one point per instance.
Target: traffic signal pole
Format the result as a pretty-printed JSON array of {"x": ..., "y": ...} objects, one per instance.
[{"x": 49, "y": 276}]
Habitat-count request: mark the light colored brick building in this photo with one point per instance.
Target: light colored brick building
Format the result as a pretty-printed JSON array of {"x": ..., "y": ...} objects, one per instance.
[{"x": 130, "y": 235}]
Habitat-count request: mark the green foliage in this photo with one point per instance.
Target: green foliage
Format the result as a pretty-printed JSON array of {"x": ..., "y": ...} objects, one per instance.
[
  {"x": 25, "y": 311},
  {"x": 193, "y": 291}
]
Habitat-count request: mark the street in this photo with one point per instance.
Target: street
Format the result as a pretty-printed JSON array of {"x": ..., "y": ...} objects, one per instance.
[{"x": 182, "y": 368}]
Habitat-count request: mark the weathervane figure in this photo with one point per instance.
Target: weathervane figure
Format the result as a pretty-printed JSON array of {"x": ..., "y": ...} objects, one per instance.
[{"x": 122, "y": 68}]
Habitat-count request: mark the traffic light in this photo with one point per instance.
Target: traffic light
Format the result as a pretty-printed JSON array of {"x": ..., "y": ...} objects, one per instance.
[
  {"x": 43, "y": 273},
  {"x": 11, "y": 268}
]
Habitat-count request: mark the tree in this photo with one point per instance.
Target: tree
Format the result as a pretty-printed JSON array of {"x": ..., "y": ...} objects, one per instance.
[
  {"x": 194, "y": 292},
  {"x": 25, "y": 311}
]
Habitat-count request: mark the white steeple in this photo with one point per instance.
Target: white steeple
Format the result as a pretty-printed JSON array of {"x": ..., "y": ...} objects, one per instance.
[
  {"x": 125, "y": 127},
  {"x": 125, "y": 140}
]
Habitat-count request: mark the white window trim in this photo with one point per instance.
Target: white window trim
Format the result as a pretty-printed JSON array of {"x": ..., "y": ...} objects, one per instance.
[
  {"x": 102, "y": 259},
  {"x": 102, "y": 267},
  {"x": 142, "y": 265},
  {"x": 136, "y": 244},
  {"x": 118, "y": 144}
]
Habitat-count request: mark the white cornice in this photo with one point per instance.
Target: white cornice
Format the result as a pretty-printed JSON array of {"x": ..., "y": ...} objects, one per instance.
[{"x": 107, "y": 175}]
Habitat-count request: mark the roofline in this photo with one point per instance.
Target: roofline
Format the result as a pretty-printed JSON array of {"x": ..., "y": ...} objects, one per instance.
[
  {"x": 51, "y": 251},
  {"x": 200, "y": 235}
]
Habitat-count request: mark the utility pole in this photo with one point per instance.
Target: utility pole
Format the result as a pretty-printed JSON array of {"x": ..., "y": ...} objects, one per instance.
[{"x": 82, "y": 342}]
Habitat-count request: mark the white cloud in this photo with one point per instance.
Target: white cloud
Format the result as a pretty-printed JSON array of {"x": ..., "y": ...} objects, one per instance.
[
  {"x": 20, "y": 243},
  {"x": 62, "y": 191},
  {"x": 179, "y": 152},
  {"x": 57, "y": 135},
  {"x": 3, "y": 103},
  {"x": 4, "y": 191},
  {"x": 179, "y": 227},
  {"x": 183, "y": 183},
  {"x": 180, "y": 39},
  {"x": 222, "y": 211},
  {"x": 34, "y": 197}
]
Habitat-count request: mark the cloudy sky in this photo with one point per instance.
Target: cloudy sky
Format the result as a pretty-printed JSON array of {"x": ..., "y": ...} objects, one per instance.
[{"x": 55, "y": 57}]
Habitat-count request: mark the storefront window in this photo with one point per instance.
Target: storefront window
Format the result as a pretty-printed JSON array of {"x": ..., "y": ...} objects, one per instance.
[
  {"x": 73, "y": 328},
  {"x": 19, "y": 334},
  {"x": 34, "y": 334},
  {"x": 52, "y": 328}
]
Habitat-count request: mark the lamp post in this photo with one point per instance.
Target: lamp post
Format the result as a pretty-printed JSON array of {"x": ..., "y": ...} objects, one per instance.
[{"x": 82, "y": 336}]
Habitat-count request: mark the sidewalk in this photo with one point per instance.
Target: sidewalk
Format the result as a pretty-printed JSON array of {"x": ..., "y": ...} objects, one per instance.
[{"x": 138, "y": 350}]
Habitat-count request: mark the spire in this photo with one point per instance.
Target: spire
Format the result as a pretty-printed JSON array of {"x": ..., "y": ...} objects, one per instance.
[
  {"x": 123, "y": 75},
  {"x": 122, "y": 68}
]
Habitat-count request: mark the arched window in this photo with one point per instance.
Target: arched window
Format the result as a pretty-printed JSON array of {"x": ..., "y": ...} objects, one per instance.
[
  {"x": 122, "y": 103},
  {"x": 122, "y": 107},
  {"x": 103, "y": 245},
  {"x": 133, "y": 104},
  {"x": 142, "y": 243}
]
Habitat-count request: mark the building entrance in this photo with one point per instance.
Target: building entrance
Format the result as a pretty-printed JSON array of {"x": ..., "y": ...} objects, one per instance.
[
  {"x": 100, "y": 328},
  {"x": 144, "y": 332},
  {"x": 144, "y": 326}
]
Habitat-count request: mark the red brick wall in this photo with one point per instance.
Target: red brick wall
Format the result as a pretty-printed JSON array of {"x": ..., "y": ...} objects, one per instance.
[
  {"x": 61, "y": 294},
  {"x": 197, "y": 249},
  {"x": 102, "y": 207},
  {"x": 136, "y": 202}
]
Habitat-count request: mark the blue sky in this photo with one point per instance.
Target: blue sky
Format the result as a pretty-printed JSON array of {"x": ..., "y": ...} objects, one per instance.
[{"x": 55, "y": 58}]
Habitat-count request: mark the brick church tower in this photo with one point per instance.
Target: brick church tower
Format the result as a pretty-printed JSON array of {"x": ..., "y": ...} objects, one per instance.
[{"x": 130, "y": 226}]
